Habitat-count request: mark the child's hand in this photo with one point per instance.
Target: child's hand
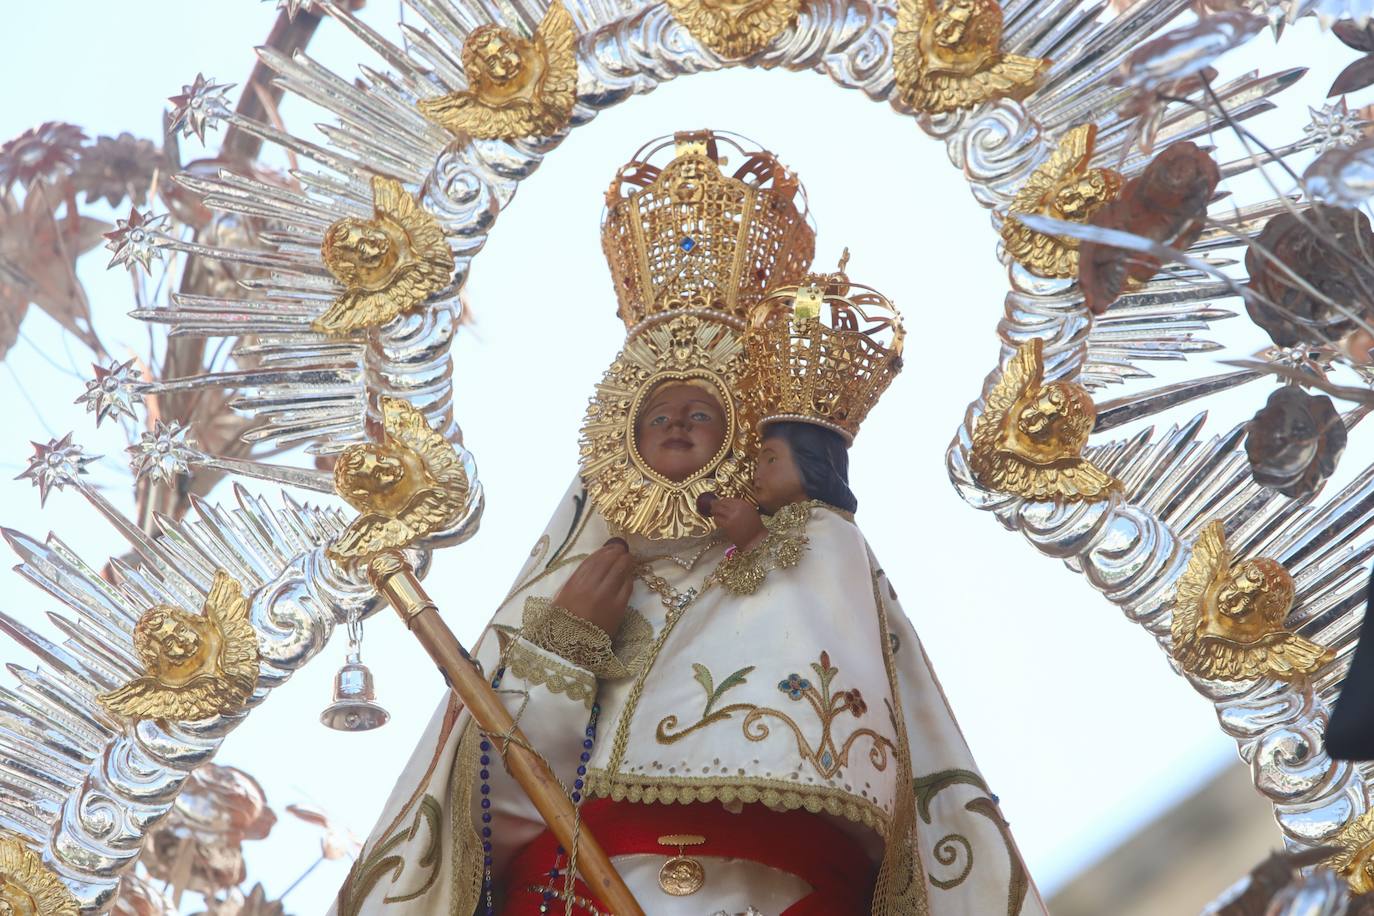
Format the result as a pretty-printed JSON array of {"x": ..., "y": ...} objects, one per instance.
[
  {"x": 598, "y": 591},
  {"x": 740, "y": 521}
]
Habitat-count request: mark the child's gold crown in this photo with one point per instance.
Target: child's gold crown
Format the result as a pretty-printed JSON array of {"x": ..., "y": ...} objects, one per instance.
[
  {"x": 687, "y": 237},
  {"x": 822, "y": 352}
]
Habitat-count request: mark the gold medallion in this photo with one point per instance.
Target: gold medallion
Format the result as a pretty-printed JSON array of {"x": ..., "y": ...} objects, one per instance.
[{"x": 681, "y": 875}]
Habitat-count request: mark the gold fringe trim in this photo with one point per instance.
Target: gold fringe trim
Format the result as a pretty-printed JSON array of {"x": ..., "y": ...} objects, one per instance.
[
  {"x": 539, "y": 671},
  {"x": 773, "y": 793}
]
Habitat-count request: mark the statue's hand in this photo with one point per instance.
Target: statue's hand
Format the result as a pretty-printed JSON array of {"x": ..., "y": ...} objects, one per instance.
[
  {"x": 599, "y": 589},
  {"x": 740, "y": 521}
]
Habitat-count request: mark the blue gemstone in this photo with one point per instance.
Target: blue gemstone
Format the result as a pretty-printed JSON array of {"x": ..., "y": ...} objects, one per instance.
[
  {"x": 485, "y": 774},
  {"x": 485, "y": 760},
  {"x": 585, "y": 756},
  {"x": 577, "y": 796},
  {"x": 486, "y": 803},
  {"x": 486, "y": 817},
  {"x": 581, "y": 771},
  {"x": 587, "y": 744},
  {"x": 486, "y": 789},
  {"x": 485, "y": 745},
  {"x": 687, "y": 243},
  {"x": 577, "y": 783}
]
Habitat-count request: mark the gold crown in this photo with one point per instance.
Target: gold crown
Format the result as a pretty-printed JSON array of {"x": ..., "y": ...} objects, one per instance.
[
  {"x": 822, "y": 352},
  {"x": 687, "y": 237}
]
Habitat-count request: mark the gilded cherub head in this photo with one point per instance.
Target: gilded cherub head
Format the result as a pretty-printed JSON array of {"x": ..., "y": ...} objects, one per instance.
[
  {"x": 1063, "y": 187},
  {"x": 495, "y": 59},
  {"x": 735, "y": 28},
  {"x": 1030, "y": 437},
  {"x": 1052, "y": 421},
  {"x": 389, "y": 264},
  {"x": 516, "y": 87},
  {"x": 966, "y": 31},
  {"x": 194, "y": 665},
  {"x": 362, "y": 253},
  {"x": 175, "y": 646},
  {"x": 1252, "y": 600},
  {"x": 409, "y": 485},
  {"x": 1229, "y": 617},
  {"x": 947, "y": 55}
]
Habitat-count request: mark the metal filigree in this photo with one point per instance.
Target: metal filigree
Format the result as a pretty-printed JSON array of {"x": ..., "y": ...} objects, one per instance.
[
  {"x": 28, "y": 887},
  {"x": 946, "y": 55},
  {"x": 195, "y": 665},
  {"x": 735, "y": 28},
  {"x": 517, "y": 87},
  {"x": 1228, "y": 621},
  {"x": 410, "y": 485},
  {"x": 1064, "y": 187},
  {"x": 1029, "y": 440},
  {"x": 390, "y": 264}
]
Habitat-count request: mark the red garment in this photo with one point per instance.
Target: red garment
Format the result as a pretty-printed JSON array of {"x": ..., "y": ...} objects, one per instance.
[{"x": 806, "y": 845}]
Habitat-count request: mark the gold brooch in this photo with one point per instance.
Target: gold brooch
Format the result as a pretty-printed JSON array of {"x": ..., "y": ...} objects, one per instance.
[
  {"x": 409, "y": 485},
  {"x": 1029, "y": 440},
  {"x": 735, "y": 28},
  {"x": 517, "y": 87},
  {"x": 28, "y": 887},
  {"x": 1228, "y": 619},
  {"x": 1065, "y": 188},
  {"x": 197, "y": 665},
  {"x": 389, "y": 264},
  {"x": 946, "y": 56},
  {"x": 681, "y": 875}
]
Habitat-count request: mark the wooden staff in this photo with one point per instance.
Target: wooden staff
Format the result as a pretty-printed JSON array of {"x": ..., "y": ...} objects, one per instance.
[{"x": 392, "y": 576}]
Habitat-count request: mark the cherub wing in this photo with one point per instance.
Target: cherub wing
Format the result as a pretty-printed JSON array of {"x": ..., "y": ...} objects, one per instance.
[
  {"x": 557, "y": 40},
  {"x": 1011, "y": 77},
  {"x": 411, "y": 285},
  {"x": 427, "y": 511},
  {"x": 227, "y": 607},
  {"x": 426, "y": 236},
  {"x": 1279, "y": 655},
  {"x": 1068, "y": 481},
  {"x": 1209, "y": 559},
  {"x": 456, "y": 112},
  {"x": 1024, "y": 371},
  {"x": 906, "y": 44},
  {"x": 405, "y": 424},
  {"x": 145, "y": 698}
]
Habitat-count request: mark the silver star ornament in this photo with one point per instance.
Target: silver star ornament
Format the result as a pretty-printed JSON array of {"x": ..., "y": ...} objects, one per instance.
[
  {"x": 200, "y": 105},
  {"x": 136, "y": 239},
  {"x": 164, "y": 454},
  {"x": 55, "y": 465},
  {"x": 113, "y": 392}
]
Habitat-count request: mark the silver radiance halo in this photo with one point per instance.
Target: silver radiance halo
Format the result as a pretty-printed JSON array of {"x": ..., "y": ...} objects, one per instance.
[{"x": 1068, "y": 88}]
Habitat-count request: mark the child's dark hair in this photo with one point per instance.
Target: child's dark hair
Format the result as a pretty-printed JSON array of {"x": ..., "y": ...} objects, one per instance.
[{"x": 822, "y": 457}]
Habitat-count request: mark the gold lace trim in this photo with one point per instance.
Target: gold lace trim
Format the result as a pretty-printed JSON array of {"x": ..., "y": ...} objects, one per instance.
[
  {"x": 467, "y": 847},
  {"x": 584, "y": 644},
  {"x": 578, "y": 641},
  {"x": 900, "y": 889},
  {"x": 743, "y": 571},
  {"x": 541, "y": 671},
  {"x": 774, "y": 793}
]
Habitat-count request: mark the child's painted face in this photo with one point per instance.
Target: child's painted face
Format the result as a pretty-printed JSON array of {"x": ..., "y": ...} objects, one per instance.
[{"x": 778, "y": 481}]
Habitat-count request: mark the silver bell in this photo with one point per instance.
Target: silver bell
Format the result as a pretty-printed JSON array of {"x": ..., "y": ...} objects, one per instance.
[{"x": 354, "y": 708}]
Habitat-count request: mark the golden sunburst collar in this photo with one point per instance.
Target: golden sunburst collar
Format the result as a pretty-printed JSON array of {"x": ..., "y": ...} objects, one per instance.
[
  {"x": 822, "y": 353},
  {"x": 687, "y": 237},
  {"x": 629, "y": 494}
]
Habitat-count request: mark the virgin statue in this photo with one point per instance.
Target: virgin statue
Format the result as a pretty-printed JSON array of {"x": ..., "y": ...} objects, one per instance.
[{"x": 701, "y": 645}]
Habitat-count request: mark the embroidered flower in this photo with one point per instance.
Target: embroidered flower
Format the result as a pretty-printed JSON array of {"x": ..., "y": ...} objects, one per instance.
[
  {"x": 794, "y": 686},
  {"x": 853, "y": 700}
]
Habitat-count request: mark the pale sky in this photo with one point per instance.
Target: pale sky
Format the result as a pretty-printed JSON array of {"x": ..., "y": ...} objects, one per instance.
[{"x": 1073, "y": 713}]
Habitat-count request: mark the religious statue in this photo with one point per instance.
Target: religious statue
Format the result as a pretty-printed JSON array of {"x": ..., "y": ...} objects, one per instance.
[{"x": 701, "y": 645}]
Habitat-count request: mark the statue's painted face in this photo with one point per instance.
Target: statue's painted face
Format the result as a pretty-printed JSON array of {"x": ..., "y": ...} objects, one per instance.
[
  {"x": 778, "y": 481},
  {"x": 360, "y": 252},
  {"x": 680, "y": 429}
]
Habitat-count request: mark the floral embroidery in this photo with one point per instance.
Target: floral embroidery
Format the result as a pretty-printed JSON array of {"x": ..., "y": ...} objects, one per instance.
[
  {"x": 794, "y": 686},
  {"x": 826, "y": 757}
]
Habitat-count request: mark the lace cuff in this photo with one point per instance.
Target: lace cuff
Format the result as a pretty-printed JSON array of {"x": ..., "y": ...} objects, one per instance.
[
  {"x": 743, "y": 571},
  {"x": 573, "y": 639}
]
